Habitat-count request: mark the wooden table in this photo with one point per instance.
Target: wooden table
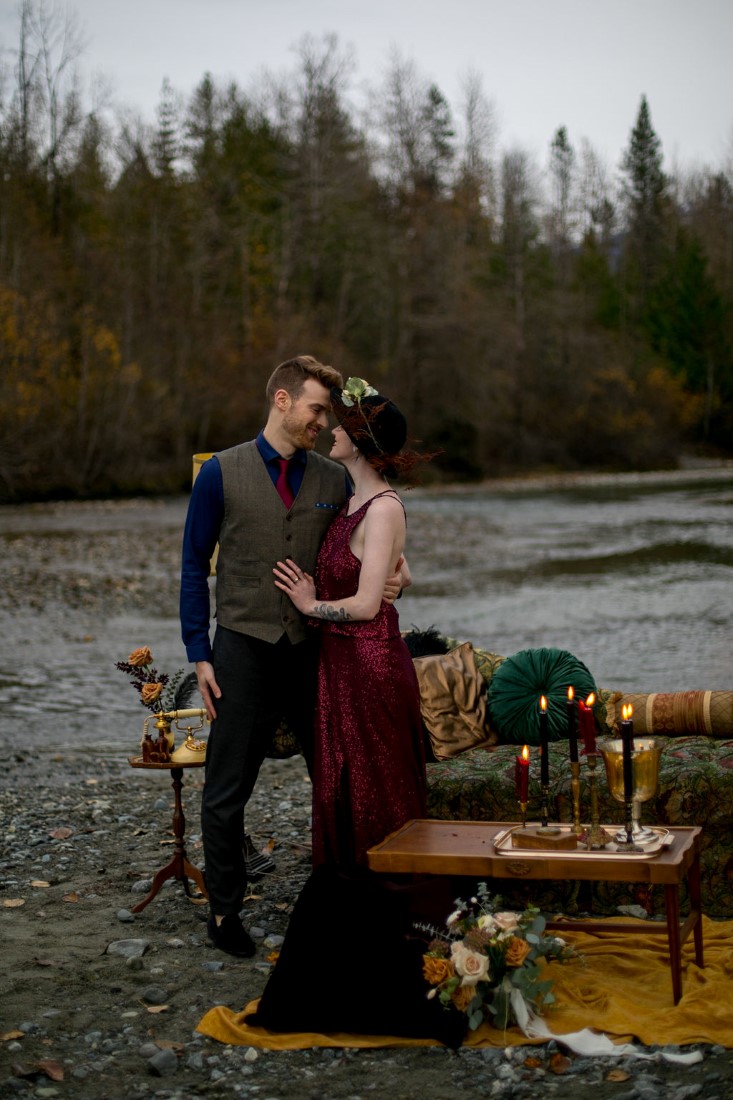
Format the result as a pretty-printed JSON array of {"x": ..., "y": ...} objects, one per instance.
[
  {"x": 179, "y": 867},
  {"x": 467, "y": 848}
]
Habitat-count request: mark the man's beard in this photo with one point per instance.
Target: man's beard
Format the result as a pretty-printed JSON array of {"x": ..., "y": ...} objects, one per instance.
[{"x": 298, "y": 433}]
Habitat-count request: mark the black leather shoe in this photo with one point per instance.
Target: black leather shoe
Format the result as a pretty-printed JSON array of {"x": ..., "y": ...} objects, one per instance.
[{"x": 231, "y": 937}]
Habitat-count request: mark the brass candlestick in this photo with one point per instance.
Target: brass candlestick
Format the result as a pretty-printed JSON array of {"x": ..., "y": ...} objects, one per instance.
[
  {"x": 523, "y": 811},
  {"x": 595, "y": 837},
  {"x": 575, "y": 788}
]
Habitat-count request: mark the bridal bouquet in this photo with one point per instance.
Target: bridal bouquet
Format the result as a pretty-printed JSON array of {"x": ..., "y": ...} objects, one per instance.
[{"x": 486, "y": 964}]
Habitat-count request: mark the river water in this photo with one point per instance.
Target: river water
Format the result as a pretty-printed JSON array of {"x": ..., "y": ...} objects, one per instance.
[{"x": 632, "y": 574}]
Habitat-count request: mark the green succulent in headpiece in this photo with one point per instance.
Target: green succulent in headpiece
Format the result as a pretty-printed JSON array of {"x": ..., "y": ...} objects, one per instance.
[{"x": 355, "y": 389}]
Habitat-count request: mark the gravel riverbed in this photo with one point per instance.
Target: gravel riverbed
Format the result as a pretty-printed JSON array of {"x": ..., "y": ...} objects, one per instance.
[{"x": 83, "y": 834}]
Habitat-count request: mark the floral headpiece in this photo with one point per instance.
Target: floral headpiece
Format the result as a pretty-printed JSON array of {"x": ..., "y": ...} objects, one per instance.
[
  {"x": 355, "y": 389},
  {"x": 371, "y": 420}
]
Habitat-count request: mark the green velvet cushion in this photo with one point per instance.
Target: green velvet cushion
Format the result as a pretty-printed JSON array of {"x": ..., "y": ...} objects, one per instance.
[{"x": 518, "y": 683}]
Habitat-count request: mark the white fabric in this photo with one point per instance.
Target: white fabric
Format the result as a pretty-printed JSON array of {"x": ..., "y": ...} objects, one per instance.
[{"x": 586, "y": 1042}]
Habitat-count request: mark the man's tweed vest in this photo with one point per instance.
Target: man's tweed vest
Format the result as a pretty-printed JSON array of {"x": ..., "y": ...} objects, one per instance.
[{"x": 257, "y": 531}]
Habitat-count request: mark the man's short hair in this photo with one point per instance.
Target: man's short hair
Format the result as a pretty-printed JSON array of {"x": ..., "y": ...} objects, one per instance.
[{"x": 294, "y": 373}]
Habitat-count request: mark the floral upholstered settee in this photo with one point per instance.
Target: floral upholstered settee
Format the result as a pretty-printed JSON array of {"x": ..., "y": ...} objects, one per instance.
[{"x": 477, "y": 782}]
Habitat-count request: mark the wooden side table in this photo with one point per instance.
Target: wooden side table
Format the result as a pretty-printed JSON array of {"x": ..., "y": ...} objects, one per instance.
[
  {"x": 179, "y": 867},
  {"x": 469, "y": 848}
]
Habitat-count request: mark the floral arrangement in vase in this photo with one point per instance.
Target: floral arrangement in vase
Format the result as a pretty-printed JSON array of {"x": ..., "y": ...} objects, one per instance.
[
  {"x": 158, "y": 691},
  {"x": 161, "y": 694}
]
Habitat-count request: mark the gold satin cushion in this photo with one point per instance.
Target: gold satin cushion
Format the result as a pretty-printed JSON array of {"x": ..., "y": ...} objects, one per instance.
[{"x": 453, "y": 702}]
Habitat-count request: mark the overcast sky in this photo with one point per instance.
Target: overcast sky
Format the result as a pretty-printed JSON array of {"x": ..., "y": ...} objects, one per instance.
[{"x": 583, "y": 64}]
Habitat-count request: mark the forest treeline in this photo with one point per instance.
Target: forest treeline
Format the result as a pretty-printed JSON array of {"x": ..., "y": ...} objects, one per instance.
[{"x": 559, "y": 316}]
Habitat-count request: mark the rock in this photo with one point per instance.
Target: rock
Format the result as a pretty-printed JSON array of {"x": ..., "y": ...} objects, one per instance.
[
  {"x": 505, "y": 1072},
  {"x": 163, "y": 1063},
  {"x": 128, "y": 949},
  {"x": 251, "y": 1055},
  {"x": 273, "y": 941},
  {"x": 125, "y": 916},
  {"x": 17, "y": 1084},
  {"x": 142, "y": 886},
  {"x": 212, "y": 965},
  {"x": 154, "y": 995}
]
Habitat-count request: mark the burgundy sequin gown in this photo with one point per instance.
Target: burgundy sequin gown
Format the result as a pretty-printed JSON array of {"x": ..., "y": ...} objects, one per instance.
[{"x": 369, "y": 765}]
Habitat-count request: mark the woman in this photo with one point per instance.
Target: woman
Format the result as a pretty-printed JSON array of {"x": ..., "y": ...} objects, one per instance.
[{"x": 369, "y": 769}]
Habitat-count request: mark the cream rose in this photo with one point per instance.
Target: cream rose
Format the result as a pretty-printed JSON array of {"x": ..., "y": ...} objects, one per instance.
[
  {"x": 472, "y": 966},
  {"x": 506, "y": 921}
]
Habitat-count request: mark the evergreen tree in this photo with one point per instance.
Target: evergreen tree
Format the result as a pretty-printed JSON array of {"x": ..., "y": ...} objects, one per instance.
[
  {"x": 645, "y": 194},
  {"x": 562, "y": 199}
]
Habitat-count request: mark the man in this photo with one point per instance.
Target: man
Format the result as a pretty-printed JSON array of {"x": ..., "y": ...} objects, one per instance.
[{"x": 262, "y": 501}]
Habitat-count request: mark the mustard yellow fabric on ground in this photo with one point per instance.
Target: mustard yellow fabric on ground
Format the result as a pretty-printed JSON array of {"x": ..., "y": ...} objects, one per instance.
[{"x": 622, "y": 987}]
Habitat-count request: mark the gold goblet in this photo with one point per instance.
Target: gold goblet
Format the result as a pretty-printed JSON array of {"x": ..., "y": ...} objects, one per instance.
[{"x": 644, "y": 779}]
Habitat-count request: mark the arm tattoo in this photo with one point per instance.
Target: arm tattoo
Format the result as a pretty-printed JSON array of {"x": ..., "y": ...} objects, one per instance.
[{"x": 333, "y": 614}]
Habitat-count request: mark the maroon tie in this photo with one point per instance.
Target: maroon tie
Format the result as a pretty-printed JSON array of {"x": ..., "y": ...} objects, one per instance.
[{"x": 281, "y": 484}]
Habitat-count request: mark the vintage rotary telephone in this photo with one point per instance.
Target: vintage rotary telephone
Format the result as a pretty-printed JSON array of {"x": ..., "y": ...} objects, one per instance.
[{"x": 161, "y": 749}]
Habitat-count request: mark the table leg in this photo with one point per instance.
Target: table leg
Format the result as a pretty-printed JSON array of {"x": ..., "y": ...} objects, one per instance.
[
  {"x": 179, "y": 866},
  {"x": 672, "y": 905},
  {"x": 693, "y": 886}
]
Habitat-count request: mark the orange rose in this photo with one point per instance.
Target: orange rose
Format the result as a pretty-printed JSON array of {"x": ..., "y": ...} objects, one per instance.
[
  {"x": 150, "y": 692},
  {"x": 140, "y": 657},
  {"x": 462, "y": 997},
  {"x": 516, "y": 952},
  {"x": 436, "y": 970}
]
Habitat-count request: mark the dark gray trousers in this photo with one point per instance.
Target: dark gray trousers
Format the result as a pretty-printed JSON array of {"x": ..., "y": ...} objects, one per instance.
[{"x": 261, "y": 685}]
